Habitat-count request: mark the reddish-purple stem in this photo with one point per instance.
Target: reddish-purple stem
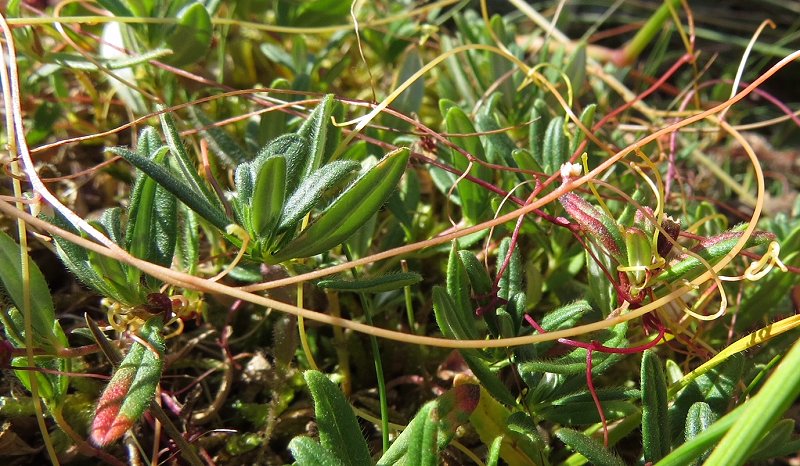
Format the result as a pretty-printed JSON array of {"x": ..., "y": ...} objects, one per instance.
[{"x": 592, "y": 346}]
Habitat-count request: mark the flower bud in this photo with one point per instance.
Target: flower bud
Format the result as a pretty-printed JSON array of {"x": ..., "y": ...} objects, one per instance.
[{"x": 596, "y": 224}]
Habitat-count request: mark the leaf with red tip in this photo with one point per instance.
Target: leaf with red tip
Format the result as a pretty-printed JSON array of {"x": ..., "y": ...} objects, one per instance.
[{"x": 132, "y": 387}]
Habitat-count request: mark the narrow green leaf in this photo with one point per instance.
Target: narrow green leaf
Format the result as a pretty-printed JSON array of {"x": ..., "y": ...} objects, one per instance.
[
  {"x": 712, "y": 251},
  {"x": 52, "y": 387},
  {"x": 587, "y": 118},
  {"x": 715, "y": 387},
  {"x": 181, "y": 164},
  {"x": 565, "y": 316},
  {"x": 228, "y": 150},
  {"x": 593, "y": 450},
  {"x": 474, "y": 199},
  {"x": 294, "y": 148},
  {"x": 774, "y": 440},
  {"x": 585, "y": 412},
  {"x": 487, "y": 377},
  {"x": 383, "y": 283},
  {"x": 699, "y": 419},
  {"x": 315, "y": 131},
  {"x": 525, "y": 160},
  {"x": 268, "y": 196},
  {"x": 116, "y": 7},
  {"x": 422, "y": 442},
  {"x": 493, "y": 456},
  {"x": 193, "y": 199},
  {"x": 338, "y": 429},
  {"x": 191, "y": 37},
  {"x": 490, "y": 419},
  {"x": 307, "y": 452},
  {"x": 510, "y": 283},
  {"x": 655, "y": 418},
  {"x": 348, "y": 211},
  {"x": 458, "y": 288},
  {"x": 576, "y": 68},
  {"x": 152, "y": 218},
  {"x": 188, "y": 240},
  {"x": 41, "y": 303},
  {"x": 78, "y": 62},
  {"x": 433, "y": 428},
  {"x": 499, "y": 146},
  {"x": 695, "y": 447},
  {"x": 311, "y": 189},
  {"x": 574, "y": 363},
  {"x": 478, "y": 277},
  {"x": 554, "y": 149},
  {"x": 76, "y": 259},
  {"x": 539, "y": 122},
  {"x": 449, "y": 318}
]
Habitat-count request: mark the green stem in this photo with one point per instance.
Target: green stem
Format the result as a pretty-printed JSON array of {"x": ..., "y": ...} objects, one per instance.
[
  {"x": 376, "y": 355},
  {"x": 408, "y": 301},
  {"x": 646, "y": 34}
]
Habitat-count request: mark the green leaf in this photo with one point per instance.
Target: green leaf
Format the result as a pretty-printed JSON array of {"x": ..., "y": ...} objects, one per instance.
[
  {"x": 41, "y": 309},
  {"x": 383, "y": 283},
  {"x": 349, "y": 211},
  {"x": 474, "y": 199},
  {"x": 576, "y": 69},
  {"x": 699, "y": 418},
  {"x": 489, "y": 380},
  {"x": 717, "y": 247},
  {"x": 478, "y": 277},
  {"x": 181, "y": 164},
  {"x": 695, "y": 447},
  {"x": 499, "y": 146},
  {"x": 458, "y": 288},
  {"x": 132, "y": 386},
  {"x": 451, "y": 321},
  {"x": 715, "y": 387},
  {"x": 315, "y": 131},
  {"x": 585, "y": 412},
  {"x": 294, "y": 148},
  {"x": 228, "y": 150},
  {"x": 539, "y": 120},
  {"x": 587, "y": 118},
  {"x": 554, "y": 149},
  {"x": 510, "y": 283},
  {"x": 307, "y": 452},
  {"x": 433, "y": 428},
  {"x": 575, "y": 362},
  {"x": 311, "y": 189},
  {"x": 338, "y": 429},
  {"x": 180, "y": 189},
  {"x": 422, "y": 442},
  {"x": 655, "y": 418},
  {"x": 116, "y": 7},
  {"x": 772, "y": 443},
  {"x": 493, "y": 456},
  {"x": 593, "y": 450},
  {"x": 191, "y": 37},
  {"x": 152, "y": 217},
  {"x": 76, "y": 258},
  {"x": 188, "y": 240},
  {"x": 268, "y": 196}
]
